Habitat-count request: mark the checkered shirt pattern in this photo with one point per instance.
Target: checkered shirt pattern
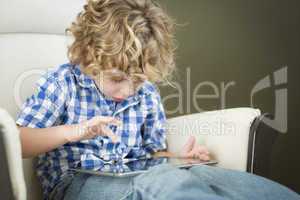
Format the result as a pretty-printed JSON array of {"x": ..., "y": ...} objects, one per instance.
[{"x": 65, "y": 95}]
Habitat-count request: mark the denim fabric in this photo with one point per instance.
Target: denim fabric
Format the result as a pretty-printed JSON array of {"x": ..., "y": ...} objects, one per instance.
[
  {"x": 90, "y": 187},
  {"x": 167, "y": 182}
]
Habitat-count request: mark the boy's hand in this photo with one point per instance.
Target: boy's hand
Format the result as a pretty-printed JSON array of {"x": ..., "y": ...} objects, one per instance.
[
  {"x": 193, "y": 150},
  {"x": 93, "y": 127}
]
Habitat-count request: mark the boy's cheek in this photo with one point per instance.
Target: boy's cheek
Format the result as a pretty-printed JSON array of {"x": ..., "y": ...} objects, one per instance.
[{"x": 108, "y": 90}]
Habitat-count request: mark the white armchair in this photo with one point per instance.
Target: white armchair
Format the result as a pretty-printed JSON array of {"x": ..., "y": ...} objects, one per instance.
[
  {"x": 232, "y": 146},
  {"x": 32, "y": 39}
]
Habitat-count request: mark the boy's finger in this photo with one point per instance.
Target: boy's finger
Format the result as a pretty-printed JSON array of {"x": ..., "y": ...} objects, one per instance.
[
  {"x": 107, "y": 132},
  {"x": 101, "y": 120},
  {"x": 108, "y": 120},
  {"x": 202, "y": 150},
  {"x": 189, "y": 144},
  {"x": 204, "y": 157}
]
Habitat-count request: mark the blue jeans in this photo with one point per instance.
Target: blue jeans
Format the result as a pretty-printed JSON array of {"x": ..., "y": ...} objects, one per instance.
[{"x": 167, "y": 182}]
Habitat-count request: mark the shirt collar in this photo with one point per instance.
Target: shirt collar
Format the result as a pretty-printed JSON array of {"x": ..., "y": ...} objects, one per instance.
[{"x": 84, "y": 80}]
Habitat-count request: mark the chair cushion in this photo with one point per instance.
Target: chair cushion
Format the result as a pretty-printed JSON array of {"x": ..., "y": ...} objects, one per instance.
[{"x": 35, "y": 16}]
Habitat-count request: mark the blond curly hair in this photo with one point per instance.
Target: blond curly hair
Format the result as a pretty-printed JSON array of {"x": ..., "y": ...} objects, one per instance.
[{"x": 134, "y": 36}]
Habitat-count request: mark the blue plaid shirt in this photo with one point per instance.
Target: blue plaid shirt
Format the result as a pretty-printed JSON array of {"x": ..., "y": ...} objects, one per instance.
[{"x": 65, "y": 95}]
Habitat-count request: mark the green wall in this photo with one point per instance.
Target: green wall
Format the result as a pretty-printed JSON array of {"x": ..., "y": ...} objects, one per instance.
[{"x": 239, "y": 43}]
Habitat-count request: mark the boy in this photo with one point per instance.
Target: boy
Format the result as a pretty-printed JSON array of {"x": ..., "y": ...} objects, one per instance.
[{"x": 103, "y": 106}]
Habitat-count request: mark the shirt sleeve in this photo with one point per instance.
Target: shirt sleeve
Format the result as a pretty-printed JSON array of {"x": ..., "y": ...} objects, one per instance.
[
  {"x": 45, "y": 106},
  {"x": 154, "y": 135}
]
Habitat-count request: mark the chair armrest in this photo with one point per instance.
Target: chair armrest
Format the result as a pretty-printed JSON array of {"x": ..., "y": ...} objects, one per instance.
[
  {"x": 12, "y": 145},
  {"x": 261, "y": 142},
  {"x": 5, "y": 182},
  {"x": 224, "y": 132}
]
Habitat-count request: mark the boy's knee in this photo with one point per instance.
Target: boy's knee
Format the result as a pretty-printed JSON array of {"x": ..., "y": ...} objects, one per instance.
[{"x": 160, "y": 175}]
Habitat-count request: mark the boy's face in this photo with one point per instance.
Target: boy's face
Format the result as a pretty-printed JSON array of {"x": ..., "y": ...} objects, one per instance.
[{"x": 117, "y": 85}]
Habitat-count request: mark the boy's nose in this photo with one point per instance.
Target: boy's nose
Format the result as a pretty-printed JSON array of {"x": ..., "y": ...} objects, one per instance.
[{"x": 126, "y": 92}]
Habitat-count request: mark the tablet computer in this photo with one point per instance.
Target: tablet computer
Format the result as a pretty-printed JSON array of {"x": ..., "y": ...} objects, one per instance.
[{"x": 133, "y": 167}]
